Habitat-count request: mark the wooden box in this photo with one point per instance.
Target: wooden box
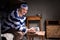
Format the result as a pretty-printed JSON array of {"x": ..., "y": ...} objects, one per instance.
[{"x": 52, "y": 29}]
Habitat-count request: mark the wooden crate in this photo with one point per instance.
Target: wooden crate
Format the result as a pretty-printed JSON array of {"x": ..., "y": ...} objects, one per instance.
[{"x": 52, "y": 29}]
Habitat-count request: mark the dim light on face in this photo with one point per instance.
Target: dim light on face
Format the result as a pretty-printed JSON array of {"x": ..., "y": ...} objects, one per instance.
[{"x": 24, "y": 11}]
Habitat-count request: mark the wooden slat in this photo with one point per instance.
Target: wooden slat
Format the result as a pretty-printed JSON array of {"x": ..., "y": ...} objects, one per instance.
[{"x": 33, "y": 18}]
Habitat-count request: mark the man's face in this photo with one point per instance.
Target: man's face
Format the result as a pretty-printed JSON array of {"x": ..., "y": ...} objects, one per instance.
[{"x": 24, "y": 11}]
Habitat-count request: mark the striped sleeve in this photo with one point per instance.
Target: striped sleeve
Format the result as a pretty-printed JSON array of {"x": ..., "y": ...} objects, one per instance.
[
  {"x": 23, "y": 29},
  {"x": 23, "y": 26},
  {"x": 18, "y": 23},
  {"x": 14, "y": 20}
]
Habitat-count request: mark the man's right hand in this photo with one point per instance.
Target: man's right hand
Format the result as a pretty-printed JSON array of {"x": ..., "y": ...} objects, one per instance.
[{"x": 32, "y": 30}]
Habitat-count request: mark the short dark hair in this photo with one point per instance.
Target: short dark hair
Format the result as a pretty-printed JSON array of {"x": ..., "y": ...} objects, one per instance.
[{"x": 23, "y": 3}]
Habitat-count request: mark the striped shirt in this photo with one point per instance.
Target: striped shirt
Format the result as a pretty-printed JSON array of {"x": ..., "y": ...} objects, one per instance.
[{"x": 14, "y": 21}]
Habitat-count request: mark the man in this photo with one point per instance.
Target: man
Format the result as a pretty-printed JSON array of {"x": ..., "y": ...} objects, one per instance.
[{"x": 15, "y": 22}]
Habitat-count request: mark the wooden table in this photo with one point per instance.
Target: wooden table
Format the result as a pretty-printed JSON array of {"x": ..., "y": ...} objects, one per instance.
[{"x": 40, "y": 34}]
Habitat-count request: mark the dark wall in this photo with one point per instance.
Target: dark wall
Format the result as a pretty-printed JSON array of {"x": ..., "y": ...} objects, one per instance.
[{"x": 50, "y": 9}]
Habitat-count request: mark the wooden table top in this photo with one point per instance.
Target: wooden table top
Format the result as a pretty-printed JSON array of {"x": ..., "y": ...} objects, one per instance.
[{"x": 40, "y": 33}]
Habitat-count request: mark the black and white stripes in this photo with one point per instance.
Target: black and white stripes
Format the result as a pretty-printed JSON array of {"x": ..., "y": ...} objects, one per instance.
[{"x": 15, "y": 21}]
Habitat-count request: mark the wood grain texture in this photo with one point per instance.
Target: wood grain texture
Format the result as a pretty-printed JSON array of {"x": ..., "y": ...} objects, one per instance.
[{"x": 53, "y": 31}]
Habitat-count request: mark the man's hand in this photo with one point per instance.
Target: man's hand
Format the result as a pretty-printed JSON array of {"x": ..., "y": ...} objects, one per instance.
[{"x": 32, "y": 30}]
